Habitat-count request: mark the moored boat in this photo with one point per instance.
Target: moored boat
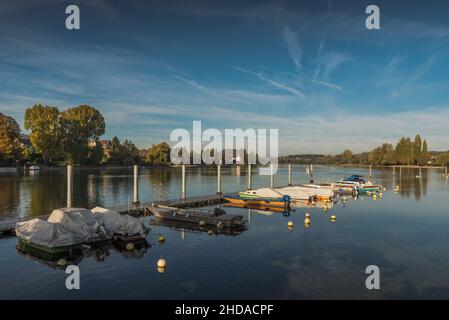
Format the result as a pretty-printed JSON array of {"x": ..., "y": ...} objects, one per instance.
[
  {"x": 281, "y": 202},
  {"x": 358, "y": 182},
  {"x": 217, "y": 217},
  {"x": 294, "y": 192}
]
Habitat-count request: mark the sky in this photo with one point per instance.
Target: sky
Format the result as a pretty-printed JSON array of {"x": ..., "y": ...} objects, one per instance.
[{"x": 310, "y": 69}]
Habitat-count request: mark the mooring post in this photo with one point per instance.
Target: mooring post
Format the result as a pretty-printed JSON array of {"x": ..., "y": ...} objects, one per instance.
[
  {"x": 183, "y": 188},
  {"x": 272, "y": 176},
  {"x": 394, "y": 171},
  {"x": 289, "y": 174},
  {"x": 136, "y": 184},
  {"x": 249, "y": 177},
  {"x": 370, "y": 170},
  {"x": 445, "y": 170},
  {"x": 69, "y": 186},
  {"x": 218, "y": 178}
]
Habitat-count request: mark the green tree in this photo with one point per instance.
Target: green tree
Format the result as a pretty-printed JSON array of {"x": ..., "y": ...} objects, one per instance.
[
  {"x": 9, "y": 138},
  {"x": 80, "y": 125},
  {"x": 417, "y": 147},
  {"x": 96, "y": 154},
  {"x": 347, "y": 156},
  {"x": 45, "y": 125},
  {"x": 425, "y": 155},
  {"x": 159, "y": 154},
  {"x": 443, "y": 159}
]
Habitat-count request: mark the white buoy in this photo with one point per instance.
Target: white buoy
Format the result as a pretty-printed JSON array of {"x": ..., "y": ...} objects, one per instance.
[
  {"x": 161, "y": 263},
  {"x": 202, "y": 223},
  {"x": 62, "y": 262},
  {"x": 129, "y": 246},
  {"x": 290, "y": 224},
  {"x": 307, "y": 215},
  {"x": 333, "y": 218}
]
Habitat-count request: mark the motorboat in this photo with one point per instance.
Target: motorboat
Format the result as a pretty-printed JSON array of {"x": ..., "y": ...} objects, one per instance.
[
  {"x": 358, "y": 182},
  {"x": 294, "y": 192}
]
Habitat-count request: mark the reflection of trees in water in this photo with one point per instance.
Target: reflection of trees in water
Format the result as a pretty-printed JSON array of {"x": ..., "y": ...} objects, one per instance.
[
  {"x": 160, "y": 177},
  {"x": 9, "y": 193},
  {"x": 413, "y": 182},
  {"x": 48, "y": 191}
]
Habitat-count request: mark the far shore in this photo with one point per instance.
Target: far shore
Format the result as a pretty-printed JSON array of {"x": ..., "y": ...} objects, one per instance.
[{"x": 152, "y": 166}]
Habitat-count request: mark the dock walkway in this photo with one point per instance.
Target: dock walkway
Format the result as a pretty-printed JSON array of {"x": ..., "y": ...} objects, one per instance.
[{"x": 7, "y": 227}]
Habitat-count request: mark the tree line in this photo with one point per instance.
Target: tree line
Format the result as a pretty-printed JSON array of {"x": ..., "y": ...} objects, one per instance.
[
  {"x": 71, "y": 136},
  {"x": 406, "y": 152}
]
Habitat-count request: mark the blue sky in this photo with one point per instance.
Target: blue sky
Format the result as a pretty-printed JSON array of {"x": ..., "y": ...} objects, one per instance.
[{"x": 310, "y": 69}]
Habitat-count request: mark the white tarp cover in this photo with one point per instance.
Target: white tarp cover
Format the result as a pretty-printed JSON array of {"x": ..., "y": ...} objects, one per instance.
[
  {"x": 47, "y": 234},
  {"x": 76, "y": 220},
  {"x": 114, "y": 222},
  {"x": 69, "y": 226}
]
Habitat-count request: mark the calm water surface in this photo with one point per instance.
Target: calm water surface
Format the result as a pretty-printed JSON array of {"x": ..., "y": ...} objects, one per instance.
[{"x": 406, "y": 234}]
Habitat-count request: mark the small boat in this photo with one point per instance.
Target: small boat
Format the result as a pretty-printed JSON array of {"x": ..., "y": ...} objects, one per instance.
[
  {"x": 359, "y": 183},
  {"x": 217, "y": 217},
  {"x": 34, "y": 168},
  {"x": 282, "y": 202},
  {"x": 259, "y": 208},
  {"x": 294, "y": 192}
]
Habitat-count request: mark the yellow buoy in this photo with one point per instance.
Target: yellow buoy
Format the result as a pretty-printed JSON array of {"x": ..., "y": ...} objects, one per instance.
[
  {"x": 161, "y": 263},
  {"x": 333, "y": 218},
  {"x": 307, "y": 215},
  {"x": 129, "y": 246},
  {"x": 306, "y": 221},
  {"x": 161, "y": 239},
  {"x": 290, "y": 224},
  {"x": 160, "y": 270},
  {"x": 62, "y": 262}
]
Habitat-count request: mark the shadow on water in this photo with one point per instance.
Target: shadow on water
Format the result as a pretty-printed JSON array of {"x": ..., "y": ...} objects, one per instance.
[{"x": 74, "y": 256}]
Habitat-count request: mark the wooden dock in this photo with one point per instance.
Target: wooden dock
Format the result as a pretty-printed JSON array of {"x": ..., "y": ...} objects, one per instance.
[{"x": 7, "y": 227}]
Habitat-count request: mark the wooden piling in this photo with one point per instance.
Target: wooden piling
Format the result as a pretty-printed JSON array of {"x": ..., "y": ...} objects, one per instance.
[
  {"x": 136, "y": 185},
  {"x": 272, "y": 176},
  {"x": 69, "y": 186},
  {"x": 249, "y": 177},
  {"x": 219, "y": 179},
  {"x": 183, "y": 187},
  {"x": 289, "y": 174}
]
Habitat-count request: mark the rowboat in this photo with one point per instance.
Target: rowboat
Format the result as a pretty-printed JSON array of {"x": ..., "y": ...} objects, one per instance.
[
  {"x": 265, "y": 209},
  {"x": 282, "y": 202},
  {"x": 217, "y": 217}
]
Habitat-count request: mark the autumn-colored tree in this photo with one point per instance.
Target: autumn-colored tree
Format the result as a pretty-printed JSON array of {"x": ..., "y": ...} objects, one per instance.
[
  {"x": 159, "y": 154},
  {"x": 80, "y": 125},
  {"x": 9, "y": 138},
  {"x": 425, "y": 155},
  {"x": 417, "y": 147},
  {"x": 45, "y": 126},
  {"x": 96, "y": 154}
]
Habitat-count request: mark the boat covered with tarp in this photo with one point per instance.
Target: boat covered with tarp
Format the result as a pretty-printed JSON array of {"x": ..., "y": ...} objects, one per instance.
[{"x": 67, "y": 228}]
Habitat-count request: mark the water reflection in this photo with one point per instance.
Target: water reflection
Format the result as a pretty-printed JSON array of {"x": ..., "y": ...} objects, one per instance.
[
  {"x": 75, "y": 255},
  {"x": 185, "y": 228}
]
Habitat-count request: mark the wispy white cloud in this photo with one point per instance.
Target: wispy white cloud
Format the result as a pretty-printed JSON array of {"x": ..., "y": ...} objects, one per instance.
[
  {"x": 293, "y": 46},
  {"x": 271, "y": 82},
  {"x": 330, "y": 85},
  {"x": 332, "y": 61}
]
